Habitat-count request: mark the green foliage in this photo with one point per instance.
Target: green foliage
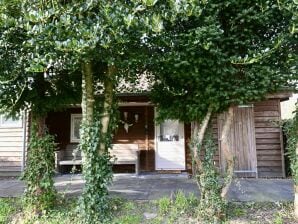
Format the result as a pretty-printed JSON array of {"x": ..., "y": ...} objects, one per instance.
[
  {"x": 291, "y": 130},
  {"x": 170, "y": 210},
  {"x": 212, "y": 207},
  {"x": 126, "y": 212},
  {"x": 164, "y": 205},
  {"x": 233, "y": 52},
  {"x": 94, "y": 204},
  {"x": 8, "y": 207},
  {"x": 40, "y": 194}
]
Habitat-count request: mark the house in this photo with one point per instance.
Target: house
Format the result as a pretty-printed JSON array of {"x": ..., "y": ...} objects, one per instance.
[{"x": 255, "y": 137}]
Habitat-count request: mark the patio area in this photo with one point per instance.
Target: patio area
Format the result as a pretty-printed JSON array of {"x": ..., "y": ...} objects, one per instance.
[{"x": 154, "y": 186}]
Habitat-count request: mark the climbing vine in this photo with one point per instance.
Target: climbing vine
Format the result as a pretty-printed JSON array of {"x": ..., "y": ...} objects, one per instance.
[
  {"x": 40, "y": 194},
  {"x": 290, "y": 128},
  {"x": 211, "y": 206},
  {"x": 94, "y": 206}
]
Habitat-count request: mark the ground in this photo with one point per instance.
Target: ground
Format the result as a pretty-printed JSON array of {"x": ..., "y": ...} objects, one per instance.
[
  {"x": 152, "y": 187},
  {"x": 159, "y": 199},
  {"x": 154, "y": 212}
]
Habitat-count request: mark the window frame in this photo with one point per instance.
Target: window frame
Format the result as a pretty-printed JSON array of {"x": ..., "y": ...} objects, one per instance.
[{"x": 73, "y": 138}]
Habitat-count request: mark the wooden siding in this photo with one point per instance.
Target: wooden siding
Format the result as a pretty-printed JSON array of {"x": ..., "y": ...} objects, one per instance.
[
  {"x": 268, "y": 138},
  {"x": 11, "y": 150}
]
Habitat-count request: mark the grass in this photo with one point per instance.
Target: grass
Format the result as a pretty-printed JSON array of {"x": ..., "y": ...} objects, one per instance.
[
  {"x": 175, "y": 209},
  {"x": 8, "y": 207}
]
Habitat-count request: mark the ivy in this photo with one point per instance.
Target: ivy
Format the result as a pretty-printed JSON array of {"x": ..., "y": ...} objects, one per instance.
[
  {"x": 94, "y": 206},
  {"x": 291, "y": 129},
  {"x": 40, "y": 194},
  {"x": 212, "y": 207}
]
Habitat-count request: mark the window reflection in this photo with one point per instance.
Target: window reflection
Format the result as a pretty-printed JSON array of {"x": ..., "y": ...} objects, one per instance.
[{"x": 169, "y": 131}]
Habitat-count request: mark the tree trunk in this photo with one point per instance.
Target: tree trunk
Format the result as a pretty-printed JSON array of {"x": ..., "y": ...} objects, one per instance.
[
  {"x": 199, "y": 133},
  {"x": 296, "y": 184},
  {"x": 227, "y": 152},
  {"x": 87, "y": 94},
  {"x": 107, "y": 104},
  {"x": 41, "y": 126}
]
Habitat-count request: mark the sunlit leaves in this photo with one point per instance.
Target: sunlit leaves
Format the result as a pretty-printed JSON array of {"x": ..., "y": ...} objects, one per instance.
[{"x": 231, "y": 53}]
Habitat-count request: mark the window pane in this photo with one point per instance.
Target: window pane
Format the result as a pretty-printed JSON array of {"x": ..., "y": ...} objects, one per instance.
[
  {"x": 76, "y": 126},
  {"x": 10, "y": 122},
  {"x": 169, "y": 130}
]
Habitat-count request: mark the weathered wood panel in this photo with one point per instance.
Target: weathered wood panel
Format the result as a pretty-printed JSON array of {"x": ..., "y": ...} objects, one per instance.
[
  {"x": 242, "y": 140},
  {"x": 268, "y": 141}
]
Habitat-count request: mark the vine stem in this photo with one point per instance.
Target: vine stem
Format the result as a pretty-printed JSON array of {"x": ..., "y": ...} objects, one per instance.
[
  {"x": 199, "y": 133},
  {"x": 107, "y": 104},
  {"x": 226, "y": 150}
]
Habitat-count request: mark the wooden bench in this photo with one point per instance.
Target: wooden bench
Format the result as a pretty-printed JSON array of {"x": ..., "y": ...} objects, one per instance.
[
  {"x": 126, "y": 154},
  {"x": 121, "y": 153}
]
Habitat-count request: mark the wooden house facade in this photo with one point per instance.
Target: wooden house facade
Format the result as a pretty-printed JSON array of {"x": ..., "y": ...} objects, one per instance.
[{"x": 255, "y": 138}]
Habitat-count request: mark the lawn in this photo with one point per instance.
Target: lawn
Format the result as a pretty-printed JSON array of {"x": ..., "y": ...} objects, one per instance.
[{"x": 178, "y": 209}]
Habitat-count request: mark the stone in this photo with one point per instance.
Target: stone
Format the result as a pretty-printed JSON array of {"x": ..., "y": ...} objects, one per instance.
[{"x": 150, "y": 215}]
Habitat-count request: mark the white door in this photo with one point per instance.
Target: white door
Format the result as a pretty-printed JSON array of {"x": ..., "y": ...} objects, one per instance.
[{"x": 170, "y": 146}]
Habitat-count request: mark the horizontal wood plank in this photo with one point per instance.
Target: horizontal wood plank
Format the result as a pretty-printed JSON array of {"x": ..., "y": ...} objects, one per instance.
[
  {"x": 270, "y": 169},
  {"x": 10, "y": 153},
  {"x": 267, "y": 130},
  {"x": 11, "y": 139},
  {"x": 266, "y": 119},
  {"x": 11, "y": 159},
  {"x": 11, "y": 130},
  {"x": 269, "y": 163},
  {"x": 269, "y": 157},
  {"x": 266, "y": 103},
  {"x": 10, "y": 144},
  {"x": 270, "y": 174},
  {"x": 268, "y": 135},
  {"x": 9, "y": 163},
  {"x": 267, "y": 114},
  {"x": 271, "y": 147},
  {"x": 267, "y": 141},
  {"x": 266, "y": 108},
  {"x": 11, "y": 134},
  {"x": 269, "y": 152},
  {"x": 11, "y": 148},
  {"x": 266, "y": 124}
]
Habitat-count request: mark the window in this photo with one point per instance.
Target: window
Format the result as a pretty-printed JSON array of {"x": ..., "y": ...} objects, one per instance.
[
  {"x": 8, "y": 122},
  {"x": 169, "y": 130},
  {"x": 75, "y": 125}
]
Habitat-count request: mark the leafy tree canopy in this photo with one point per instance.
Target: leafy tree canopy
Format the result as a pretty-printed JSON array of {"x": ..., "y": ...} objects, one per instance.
[{"x": 233, "y": 52}]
